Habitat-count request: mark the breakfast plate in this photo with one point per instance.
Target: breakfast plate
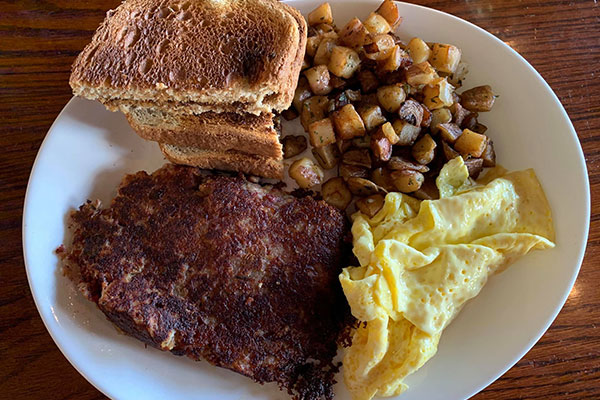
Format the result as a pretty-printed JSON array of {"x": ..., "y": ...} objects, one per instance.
[{"x": 88, "y": 150}]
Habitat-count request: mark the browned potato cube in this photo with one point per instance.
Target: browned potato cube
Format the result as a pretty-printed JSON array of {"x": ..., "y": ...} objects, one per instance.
[
  {"x": 335, "y": 192},
  {"x": 381, "y": 147},
  {"x": 312, "y": 44},
  {"x": 324, "y": 29},
  {"x": 346, "y": 171},
  {"x": 428, "y": 191},
  {"x": 489, "y": 155},
  {"x": 324, "y": 50},
  {"x": 449, "y": 152},
  {"x": 407, "y": 133},
  {"x": 480, "y": 98},
  {"x": 343, "y": 145},
  {"x": 412, "y": 112},
  {"x": 313, "y": 109},
  {"x": 376, "y": 24},
  {"x": 387, "y": 131},
  {"x": 343, "y": 62},
  {"x": 390, "y": 12},
  {"x": 426, "y": 121},
  {"x": 289, "y": 114},
  {"x": 382, "y": 178},
  {"x": 348, "y": 123},
  {"x": 368, "y": 80},
  {"x": 479, "y": 128},
  {"x": 397, "y": 163},
  {"x": 391, "y": 97},
  {"x": 438, "y": 95},
  {"x": 423, "y": 151},
  {"x": 362, "y": 142},
  {"x": 459, "y": 113},
  {"x": 362, "y": 187},
  {"x": 306, "y": 62},
  {"x": 420, "y": 74},
  {"x": 407, "y": 181},
  {"x": 471, "y": 144},
  {"x": 445, "y": 57},
  {"x": 318, "y": 79},
  {"x": 320, "y": 15},
  {"x": 370, "y": 205},
  {"x": 302, "y": 93},
  {"x": 449, "y": 132},
  {"x": 419, "y": 50},
  {"x": 380, "y": 47},
  {"x": 396, "y": 59},
  {"x": 371, "y": 115},
  {"x": 327, "y": 156},
  {"x": 321, "y": 133},
  {"x": 470, "y": 121},
  {"x": 293, "y": 145},
  {"x": 353, "y": 34},
  {"x": 474, "y": 166},
  {"x": 306, "y": 173},
  {"x": 358, "y": 157}
]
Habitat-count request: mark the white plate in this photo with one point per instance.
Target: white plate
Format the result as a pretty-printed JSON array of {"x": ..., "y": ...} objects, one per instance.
[{"x": 89, "y": 149}]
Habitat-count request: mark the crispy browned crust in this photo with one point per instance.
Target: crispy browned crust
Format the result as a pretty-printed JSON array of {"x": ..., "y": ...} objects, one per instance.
[
  {"x": 205, "y": 51},
  {"x": 218, "y": 268},
  {"x": 245, "y": 133}
]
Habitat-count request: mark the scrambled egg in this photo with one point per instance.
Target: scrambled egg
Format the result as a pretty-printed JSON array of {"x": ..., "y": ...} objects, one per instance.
[{"x": 421, "y": 261}]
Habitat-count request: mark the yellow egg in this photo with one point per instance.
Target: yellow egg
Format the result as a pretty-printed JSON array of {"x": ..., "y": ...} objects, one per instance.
[{"x": 421, "y": 261}]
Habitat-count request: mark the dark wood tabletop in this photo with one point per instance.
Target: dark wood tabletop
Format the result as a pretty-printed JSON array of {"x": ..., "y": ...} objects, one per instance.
[{"x": 39, "y": 40}]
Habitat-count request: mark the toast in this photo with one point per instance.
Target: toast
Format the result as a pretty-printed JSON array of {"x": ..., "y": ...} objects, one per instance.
[
  {"x": 267, "y": 167},
  {"x": 208, "y": 55},
  {"x": 245, "y": 133}
]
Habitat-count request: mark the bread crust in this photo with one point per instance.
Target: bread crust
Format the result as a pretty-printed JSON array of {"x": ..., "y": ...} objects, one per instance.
[
  {"x": 226, "y": 161},
  {"x": 245, "y": 133},
  {"x": 202, "y": 52}
]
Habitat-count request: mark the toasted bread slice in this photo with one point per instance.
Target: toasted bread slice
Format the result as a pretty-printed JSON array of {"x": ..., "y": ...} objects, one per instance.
[
  {"x": 245, "y": 133},
  {"x": 203, "y": 55},
  {"x": 224, "y": 160}
]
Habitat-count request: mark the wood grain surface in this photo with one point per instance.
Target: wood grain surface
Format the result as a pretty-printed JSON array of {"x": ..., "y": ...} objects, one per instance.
[{"x": 40, "y": 38}]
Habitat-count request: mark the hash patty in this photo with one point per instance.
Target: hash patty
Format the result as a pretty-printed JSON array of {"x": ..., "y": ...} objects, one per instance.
[{"x": 218, "y": 268}]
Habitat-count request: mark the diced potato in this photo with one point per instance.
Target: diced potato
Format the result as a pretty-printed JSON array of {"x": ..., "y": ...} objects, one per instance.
[
  {"x": 312, "y": 44},
  {"x": 368, "y": 80},
  {"x": 391, "y": 97},
  {"x": 438, "y": 95},
  {"x": 445, "y": 57},
  {"x": 480, "y": 98},
  {"x": 348, "y": 123},
  {"x": 407, "y": 133},
  {"x": 387, "y": 131},
  {"x": 390, "y": 12},
  {"x": 320, "y": 15},
  {"x": 479, "y": 128},
  {"x": 449, "y": 132},
  {"x": 471, "y": 144},
  {"x": 449, "y": 152},
  {"x": 327, "y": 156},
  {"x": 302, "y": 93},
  {"x": 396, "y": 59},
  {"x": 407, "y": 181},
  {"x": 343, "y": 145},
  {"x": 426, "y": 121},
  {"x": 470, "y": 121},
  {"x": 397, "y": 163},
  {"x": 423, "y": 151},
  {"x": 353, "y": 34},
  {"x": 318, "y": 79},
  {"x": 380, "y": 47},
  {"x": 362, "y": 187},
  {"x": 335, "y": 192},
  {"x": 313, "y": 109},
  {"x": 489, "y": 155},
  {"x": 324, "y": 29},
  {"x": 289, "y": 114},
  {"x": 343, "y": 61},
  {"x": 370, "y": 205},
  {"x": 382, "y": 178},
  {"x": 321, "y": 133},
  {"x": 346, "y": 171},
  {"x": 323, "y": 53},
  {"x": 419, "y": 50},
  {"x": 306, "y": 62},
  {"x": 375, "y": 24},
  {"x": 293, "y": 145},
  {"x": 371, "y": 115},
  {"x": 428, "y": 191},
  {"x": 459, "y": 113},
  {"x": 306, "y": 173},
  {"x": 412, "y": 112},
  {"x": 474, "y": 166},
  {"x": 367, "y": 99},
  {"x": 420, "y": 74},
  {"x": 362, "y": 142},
  {"x": 358, "y": 157},
  {"x": 459, "y": 75},
  {"x": 381, "y": 147}
]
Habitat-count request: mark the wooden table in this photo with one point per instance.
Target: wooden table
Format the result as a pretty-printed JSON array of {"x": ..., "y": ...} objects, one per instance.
[{"x": 40, "y": 39}]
